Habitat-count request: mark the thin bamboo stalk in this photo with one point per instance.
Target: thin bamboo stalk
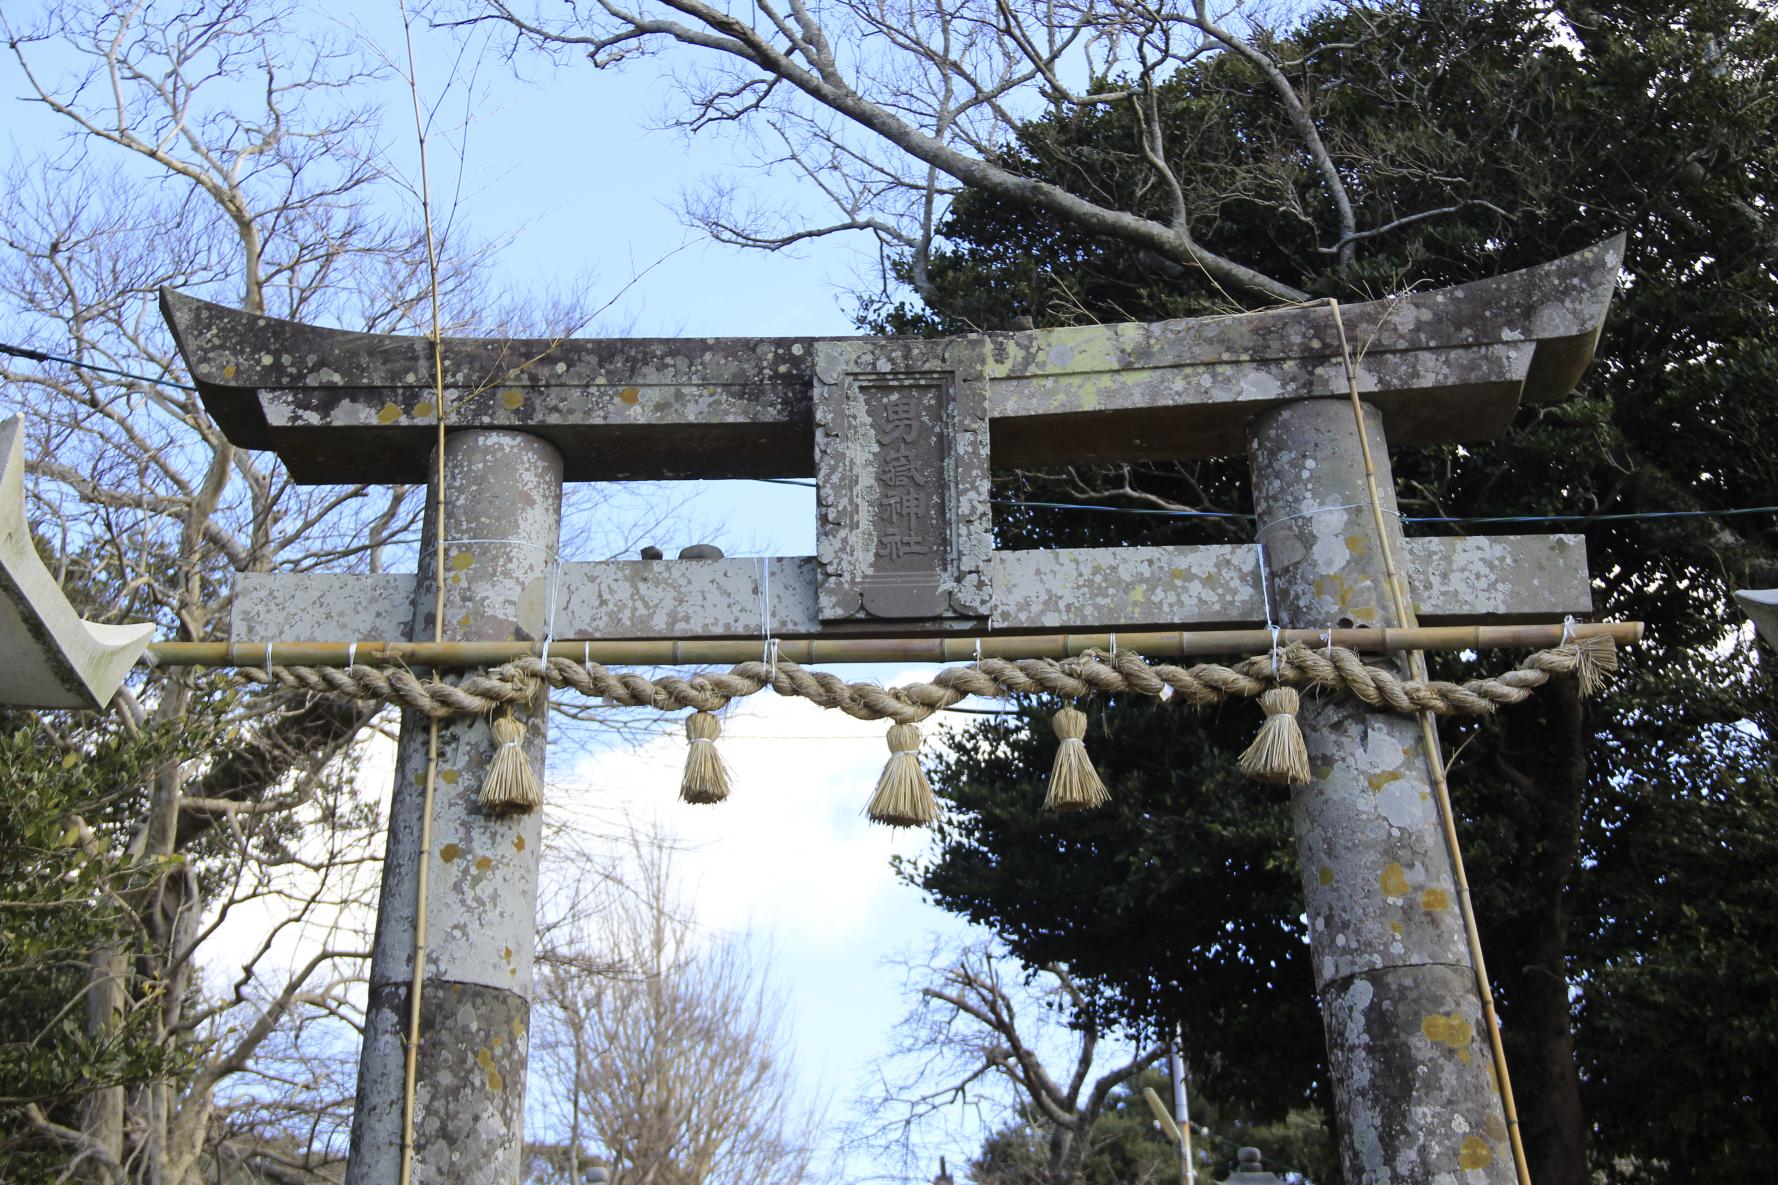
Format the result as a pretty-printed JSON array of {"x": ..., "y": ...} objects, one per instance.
[
  {"x": 831, "y": 650},
  {"x": 1435, "y": 766}
]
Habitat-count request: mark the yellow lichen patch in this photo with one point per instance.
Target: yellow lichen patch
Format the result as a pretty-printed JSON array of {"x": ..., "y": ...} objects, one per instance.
[
  {"x": 1365, "y": 613},
  {"x": 463, "y": 622},
  {"x": 1450, "y": 1030},
  {"x": 484, "y": 863},
  {"x": 388, "y": 413},
  {"x": 424, "y": 409},
  {"x": 1435, "y": 900},
  {"x": 1321, "y": 772},
  {"x": 1138, "y": 594},
  {"x": 229, "y": 371},
  {"x": 485, "y": 1059},
  {"x": 1475, "y": 1153},
  {"x": 518, "y": 1029},
  {"x": 1325, "y": 875},
  {"x": 1395, "y": 928},
  {"x": 1177, "y": 573},
  {"x": 629, "y": 395},
  {"x": 511, "y": 399},
  {"x": 449, "y": 776},
  {"x": 518, "y": 843},
  {"x": 462, "y": 560},
  {"x": 449, "y": 852},
  {"x": 1383, "y": 778},
  {"x": 507, "y": 954},
  {"x": 1357, "y": 544},
  {"x": 1394, "y": 881}
]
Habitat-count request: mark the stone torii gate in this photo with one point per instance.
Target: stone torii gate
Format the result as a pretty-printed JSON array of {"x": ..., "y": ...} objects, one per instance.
[{"x": 900, "y": 437}]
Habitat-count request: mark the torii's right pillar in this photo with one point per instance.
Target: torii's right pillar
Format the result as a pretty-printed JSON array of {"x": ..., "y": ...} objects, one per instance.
[{"x": 1413, "y": 1081}]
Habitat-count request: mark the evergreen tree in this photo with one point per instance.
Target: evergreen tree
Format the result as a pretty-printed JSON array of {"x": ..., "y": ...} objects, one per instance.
[{"x": 1621, "y": 850}]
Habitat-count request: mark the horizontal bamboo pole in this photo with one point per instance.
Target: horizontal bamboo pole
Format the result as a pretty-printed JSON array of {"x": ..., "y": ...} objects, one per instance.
[{"x": 809, "y": 651}]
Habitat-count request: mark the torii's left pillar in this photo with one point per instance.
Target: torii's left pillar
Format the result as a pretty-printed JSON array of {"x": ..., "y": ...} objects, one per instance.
[{"x": 503, "y": 501}]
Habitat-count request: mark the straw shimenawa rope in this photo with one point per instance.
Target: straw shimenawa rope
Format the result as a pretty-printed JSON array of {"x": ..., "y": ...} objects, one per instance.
[{"x": 1334, "y": 670}]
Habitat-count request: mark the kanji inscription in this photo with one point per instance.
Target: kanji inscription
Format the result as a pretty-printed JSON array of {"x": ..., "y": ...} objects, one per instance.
[
  {"x": 912, "y": 448},
  {"x": 901, "y": 477}
]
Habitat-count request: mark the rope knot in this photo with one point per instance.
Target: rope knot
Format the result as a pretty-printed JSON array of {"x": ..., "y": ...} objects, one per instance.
[
  {"x": 1278, "y": 754},
  {"x": 903, "y": 797},
  {"x": 706, "y": 777},
  {"x": 510, "y": 787},
  {"x": 1074, "y": 784}
]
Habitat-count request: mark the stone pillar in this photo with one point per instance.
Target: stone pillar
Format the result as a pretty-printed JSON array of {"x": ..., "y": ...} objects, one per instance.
[
  {"x": 1413, "y": 1082},
  {"x": 482, "y": 894}
]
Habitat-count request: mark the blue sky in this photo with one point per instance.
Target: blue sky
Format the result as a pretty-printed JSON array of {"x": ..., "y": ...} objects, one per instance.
[{"x": 567, "y": 172}]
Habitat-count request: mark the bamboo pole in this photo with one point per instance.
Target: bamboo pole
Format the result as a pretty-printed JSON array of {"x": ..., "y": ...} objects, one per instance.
[
  {"x": 1435, "y": 766},
  {"x": 831, "y": 650}
]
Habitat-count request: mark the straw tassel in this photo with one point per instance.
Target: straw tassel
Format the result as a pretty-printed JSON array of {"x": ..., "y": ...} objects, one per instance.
[
  {"x": 1074, "y": 783},
  {"x": 1595, "y": 658},
  {"x": 1278, "y": 754},
  {"x": 903, "y": 799},
  {"x": 706, "y": 776},
  {"x": 510, "y": 787}
]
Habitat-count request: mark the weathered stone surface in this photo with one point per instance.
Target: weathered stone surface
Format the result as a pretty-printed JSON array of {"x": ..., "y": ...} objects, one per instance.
[
  {"x": 504, "y": 504},
  {"x": 901, "y": 480},
  {"x": 1444, "y": 365},
  {"x": 1455, "y": 579},
  {"x": 469, "y": 1085},
  {"x": 1405, "y": 1046},
  {"x": 1413, "y": 1087}
]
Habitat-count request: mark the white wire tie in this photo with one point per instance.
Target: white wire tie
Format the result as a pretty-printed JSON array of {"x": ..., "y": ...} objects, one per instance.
[
  {"x": 978, "y": 654},
  {"x": 1276, "y": 631},
  {"x": 351, "y": 655},
  {"x": 268, "y": 658},
  {"x": 1114, "y": 643},
  {"x": 1567, "y": 629}
]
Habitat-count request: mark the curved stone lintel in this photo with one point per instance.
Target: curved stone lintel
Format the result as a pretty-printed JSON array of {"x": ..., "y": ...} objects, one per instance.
[{"x": 1443, "y": 365}]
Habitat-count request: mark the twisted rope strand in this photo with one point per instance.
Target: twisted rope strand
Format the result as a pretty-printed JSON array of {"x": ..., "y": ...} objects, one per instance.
[{"x": 1335, "y": 669}]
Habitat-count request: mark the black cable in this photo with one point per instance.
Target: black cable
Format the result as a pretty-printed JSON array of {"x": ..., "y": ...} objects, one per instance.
[{"x": 31, "y": 355}]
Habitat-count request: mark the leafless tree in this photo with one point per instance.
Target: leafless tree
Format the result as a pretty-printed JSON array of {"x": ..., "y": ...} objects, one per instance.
[
  {"x": 890, "y": 108},
  {"x": 662, "y": 1047},
  {"x": 981, "y": 1043},
  {"x": 223, "y": 148}
]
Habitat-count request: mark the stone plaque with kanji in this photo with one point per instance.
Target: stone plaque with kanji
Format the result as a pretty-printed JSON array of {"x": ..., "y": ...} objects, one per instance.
[{"x": 901, "y": 470}]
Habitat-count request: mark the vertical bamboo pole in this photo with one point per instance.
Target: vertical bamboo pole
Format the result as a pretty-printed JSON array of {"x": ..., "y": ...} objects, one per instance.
[
  {"x": 1412, "y": 1083},
  {"x": 481, "y": 896}
]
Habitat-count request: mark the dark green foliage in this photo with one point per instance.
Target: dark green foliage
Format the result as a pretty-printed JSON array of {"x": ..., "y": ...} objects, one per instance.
[
  {"x": 1621, "y": 851},
  {"x": 66, "y": 793},
  {"x": 1225, "y": 897},
  {"x": 1128, "y": 1149}
]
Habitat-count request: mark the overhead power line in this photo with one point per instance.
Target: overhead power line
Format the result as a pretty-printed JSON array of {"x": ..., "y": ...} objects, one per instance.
[
  {"x": 1623, "y": 516},
  {"x": 31, "y": 355}
]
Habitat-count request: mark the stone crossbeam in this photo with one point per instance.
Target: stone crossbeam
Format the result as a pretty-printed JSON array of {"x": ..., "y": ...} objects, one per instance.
[
  {"x": 1463, "y": 579},
  {"x": 1452, "y": 364}
]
